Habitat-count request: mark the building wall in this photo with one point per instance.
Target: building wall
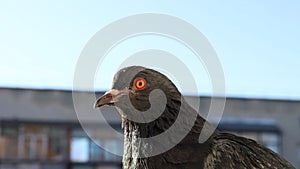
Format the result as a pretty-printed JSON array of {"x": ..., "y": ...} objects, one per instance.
[
  {"x": 286, "y": 114},
  {"x": 56, "y": 106}
]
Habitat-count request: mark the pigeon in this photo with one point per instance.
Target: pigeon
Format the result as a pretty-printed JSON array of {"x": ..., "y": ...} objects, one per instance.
[{"x": 132, "y": 95}]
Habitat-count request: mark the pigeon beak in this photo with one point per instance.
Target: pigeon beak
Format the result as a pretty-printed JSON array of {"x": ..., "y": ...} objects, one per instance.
[{"x": 110, "y": 97}]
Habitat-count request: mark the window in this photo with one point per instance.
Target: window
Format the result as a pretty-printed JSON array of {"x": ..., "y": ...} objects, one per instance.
[
  {"x": 9, "y": 142},
  {"x": 270, "y": 140},
  {"x": 79, "y": 146},
  {"x": 96, "y": 153},
  {"x": 44, "y": 147},
  {"x": 79, "y": 149},
  {"x": 102, "y": 138},
  {"x": 83, "y": 149},
  {"x": 113, "y": 145},
  {"x": 264, "y": 131},
  {"x": 57, "y": 144},
  {"x": 251, "y": 135},
  {"x": 33, "y": 142}
]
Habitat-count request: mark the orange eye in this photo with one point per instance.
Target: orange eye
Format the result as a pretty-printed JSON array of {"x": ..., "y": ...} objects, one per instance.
[{"x": 140, "y": 83}]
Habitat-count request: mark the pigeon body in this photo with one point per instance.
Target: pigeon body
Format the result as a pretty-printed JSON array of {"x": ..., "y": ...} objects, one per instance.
[{"x": 221, "y": 150}]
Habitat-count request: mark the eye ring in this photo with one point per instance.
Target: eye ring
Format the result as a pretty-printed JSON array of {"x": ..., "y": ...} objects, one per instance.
[{"x": 140, "y": 83}]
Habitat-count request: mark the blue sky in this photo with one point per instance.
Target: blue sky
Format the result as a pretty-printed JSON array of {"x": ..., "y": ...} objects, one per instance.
[{"x": 256, "y": 41}]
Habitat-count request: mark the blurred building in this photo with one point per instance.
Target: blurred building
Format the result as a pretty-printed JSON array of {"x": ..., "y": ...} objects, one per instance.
[{"x": 39, "y": 129}]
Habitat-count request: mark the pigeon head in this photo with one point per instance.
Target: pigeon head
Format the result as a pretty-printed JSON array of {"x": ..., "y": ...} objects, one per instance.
[{"x": 133, "y": 91}]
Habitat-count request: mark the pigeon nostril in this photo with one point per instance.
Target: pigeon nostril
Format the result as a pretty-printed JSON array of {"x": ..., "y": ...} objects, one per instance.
[{"x": 109, "y": 96}]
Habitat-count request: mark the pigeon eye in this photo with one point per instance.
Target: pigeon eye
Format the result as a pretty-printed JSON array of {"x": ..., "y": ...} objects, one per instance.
[{"x": 140, "y": 83}]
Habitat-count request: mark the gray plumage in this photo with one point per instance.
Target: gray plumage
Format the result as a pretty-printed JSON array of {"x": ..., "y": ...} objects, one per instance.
[{"x": 221, "y": 150}]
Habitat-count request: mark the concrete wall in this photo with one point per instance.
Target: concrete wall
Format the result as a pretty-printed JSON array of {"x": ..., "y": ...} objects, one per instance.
[
  {"x": 55, "y": 106},
  {"x": 49, "y": 106},
  {"x": 285, "y": 113}
]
